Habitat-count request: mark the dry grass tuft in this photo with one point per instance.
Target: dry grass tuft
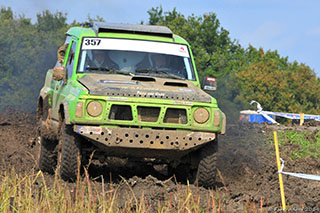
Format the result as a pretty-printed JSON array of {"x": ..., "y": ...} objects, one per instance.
[{"x": 33, "y": 193}]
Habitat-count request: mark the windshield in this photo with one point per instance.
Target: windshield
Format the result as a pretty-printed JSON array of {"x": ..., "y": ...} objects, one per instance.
[{"x": 135, "y": 57}]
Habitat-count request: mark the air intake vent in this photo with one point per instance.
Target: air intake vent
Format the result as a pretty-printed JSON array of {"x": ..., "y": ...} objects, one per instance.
[
  {"x": 120, "y": 112},
  {"x": 176, "y": 84},
  {"x": 148, "y": 114},
  {"x": 175, "y": 116},
  {"x": 141, "y": 78}
]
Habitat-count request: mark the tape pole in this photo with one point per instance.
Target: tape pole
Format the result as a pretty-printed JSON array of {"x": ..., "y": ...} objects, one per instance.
[
  {"x": 283, "y": 200},
  {"x": 301, "y": 118}
]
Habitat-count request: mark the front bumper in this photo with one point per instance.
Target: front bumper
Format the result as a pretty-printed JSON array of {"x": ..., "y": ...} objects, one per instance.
[{"x": 118, "y": 137}]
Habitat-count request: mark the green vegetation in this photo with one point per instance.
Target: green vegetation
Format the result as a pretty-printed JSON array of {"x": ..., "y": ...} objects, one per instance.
[
  {"x": 28, "y": 50},
  {"x": 300, "y": 144}
]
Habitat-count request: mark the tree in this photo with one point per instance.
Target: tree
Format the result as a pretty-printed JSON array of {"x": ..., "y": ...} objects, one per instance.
[
  {"x": 28, "y": 51},
  {"x": 277, "y": 84}
]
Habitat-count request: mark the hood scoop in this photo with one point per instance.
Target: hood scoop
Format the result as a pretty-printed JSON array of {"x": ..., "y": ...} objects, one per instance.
[
  {"x": 175, "y": 84},
  {"x": 143, "y": 78}
]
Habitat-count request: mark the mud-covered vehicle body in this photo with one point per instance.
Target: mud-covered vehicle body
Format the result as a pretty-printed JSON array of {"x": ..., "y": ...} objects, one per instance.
[{"x": 143, "y": 101}]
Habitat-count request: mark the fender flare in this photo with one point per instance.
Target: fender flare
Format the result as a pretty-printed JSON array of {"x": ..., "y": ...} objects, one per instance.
[
  {"x": 41, "y": 103},
  {"x": 64, "y": 108},
  {"x": 224, "y": 121}
]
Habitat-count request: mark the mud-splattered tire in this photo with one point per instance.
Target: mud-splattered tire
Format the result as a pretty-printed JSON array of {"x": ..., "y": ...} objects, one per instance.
[
  {"x": 70, "y": 153},
  {"x": 48, "y": 155},
  {"x": 206, "y": 172}
]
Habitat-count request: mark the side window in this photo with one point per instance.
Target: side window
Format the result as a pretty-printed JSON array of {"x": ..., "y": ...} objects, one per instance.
[
  {"x": 61, "y": 52},
  {"x": 70, "y": 60}
]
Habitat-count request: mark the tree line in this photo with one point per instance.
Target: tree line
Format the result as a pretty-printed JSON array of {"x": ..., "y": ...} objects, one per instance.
[{"x": 28, "y": 50}]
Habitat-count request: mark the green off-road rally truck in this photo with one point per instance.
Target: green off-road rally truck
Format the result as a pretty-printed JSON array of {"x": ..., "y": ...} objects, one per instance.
[{"x": 128, "y": 91}]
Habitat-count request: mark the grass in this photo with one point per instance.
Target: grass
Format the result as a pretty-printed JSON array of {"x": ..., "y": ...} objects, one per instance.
[
  {"x": 33, "y": 193},
  {"x": 302, "y": 144}
]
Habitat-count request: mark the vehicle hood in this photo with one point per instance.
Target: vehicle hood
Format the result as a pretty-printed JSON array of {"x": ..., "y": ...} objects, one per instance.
[{"x": 143, "y": 87}]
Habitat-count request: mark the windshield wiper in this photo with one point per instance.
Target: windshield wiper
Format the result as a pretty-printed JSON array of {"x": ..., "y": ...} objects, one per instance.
[
  {"x": 99, "y": 69},
  {"x": 114, "y": 71},
  {"x": 161, "y": 72}
]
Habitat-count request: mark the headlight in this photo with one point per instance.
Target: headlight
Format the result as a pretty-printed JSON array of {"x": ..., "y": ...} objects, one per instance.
[
  {"x": 94, "y": 108},
  {"x": 201, "y": 115}
]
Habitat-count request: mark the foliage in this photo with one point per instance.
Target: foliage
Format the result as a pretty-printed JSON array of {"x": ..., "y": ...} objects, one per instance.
[
  {"x": 277, "y": 84},
  {"x": 27, "y": 52}
]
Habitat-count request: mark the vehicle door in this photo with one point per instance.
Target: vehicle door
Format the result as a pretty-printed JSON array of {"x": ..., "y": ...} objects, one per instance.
[{"x": 62, "y": 86}]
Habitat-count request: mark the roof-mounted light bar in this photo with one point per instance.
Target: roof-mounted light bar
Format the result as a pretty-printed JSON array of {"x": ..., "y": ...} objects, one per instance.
[{"x": 101, "y": 27}]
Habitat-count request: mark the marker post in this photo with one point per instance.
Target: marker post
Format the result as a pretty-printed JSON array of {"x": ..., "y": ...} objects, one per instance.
[
  {"x": 283, "y": 200},
  {"x": 301, "y": 118}
]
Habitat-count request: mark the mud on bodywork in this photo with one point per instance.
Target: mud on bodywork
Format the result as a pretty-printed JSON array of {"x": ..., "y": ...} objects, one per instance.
[
  {"x": 145, "y": 138},
  {"x": 147, "y": 102},
  {"x": 143, "y": 86}
]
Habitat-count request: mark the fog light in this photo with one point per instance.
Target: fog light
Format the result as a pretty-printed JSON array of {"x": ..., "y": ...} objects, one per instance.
[
  {"x": 94, "y": 108},
  {"x": 201, "y": 115},
  {"x": 79, "y": 109}
]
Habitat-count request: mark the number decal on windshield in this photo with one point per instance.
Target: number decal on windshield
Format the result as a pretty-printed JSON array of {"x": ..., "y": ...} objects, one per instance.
[{"x": 92, "y": 42}]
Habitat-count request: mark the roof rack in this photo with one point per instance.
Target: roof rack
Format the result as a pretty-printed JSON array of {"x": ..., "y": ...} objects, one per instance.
[{"x": 101, "y": 27}]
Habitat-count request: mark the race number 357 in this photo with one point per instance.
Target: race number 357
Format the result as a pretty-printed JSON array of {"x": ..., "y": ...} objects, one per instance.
[{"x": 92, "y": 42}]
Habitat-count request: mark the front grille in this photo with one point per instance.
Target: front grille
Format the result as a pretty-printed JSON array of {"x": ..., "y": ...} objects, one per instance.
[
  {"x": 148, "y": 114},
  {"x": 175, "y": 116},
  {"x": 120, "y": 112}
]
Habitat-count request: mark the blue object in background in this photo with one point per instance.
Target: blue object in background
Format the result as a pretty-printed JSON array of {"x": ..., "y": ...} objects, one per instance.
[{"x": 255, "y": 118}]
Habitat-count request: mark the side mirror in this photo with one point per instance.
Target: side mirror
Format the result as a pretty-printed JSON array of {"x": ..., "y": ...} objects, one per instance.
[
  {"x": 59, "y": 73},
  {"x": 209, "y": 84},
  {"x": 62, "y": 52}
]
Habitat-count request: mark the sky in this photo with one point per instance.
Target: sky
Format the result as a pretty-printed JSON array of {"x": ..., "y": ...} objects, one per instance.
[{"x": 292, "y": 27}]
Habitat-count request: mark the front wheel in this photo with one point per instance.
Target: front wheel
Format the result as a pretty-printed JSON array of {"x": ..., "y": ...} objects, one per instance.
[
  {"x": 70, "y": 157},
  {"x": 48, "y": 155},
  {"x": 207, "y": 166}
]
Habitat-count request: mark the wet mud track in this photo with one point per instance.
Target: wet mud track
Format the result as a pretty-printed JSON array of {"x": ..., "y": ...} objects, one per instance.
[{"x": 246, "y": 162}]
